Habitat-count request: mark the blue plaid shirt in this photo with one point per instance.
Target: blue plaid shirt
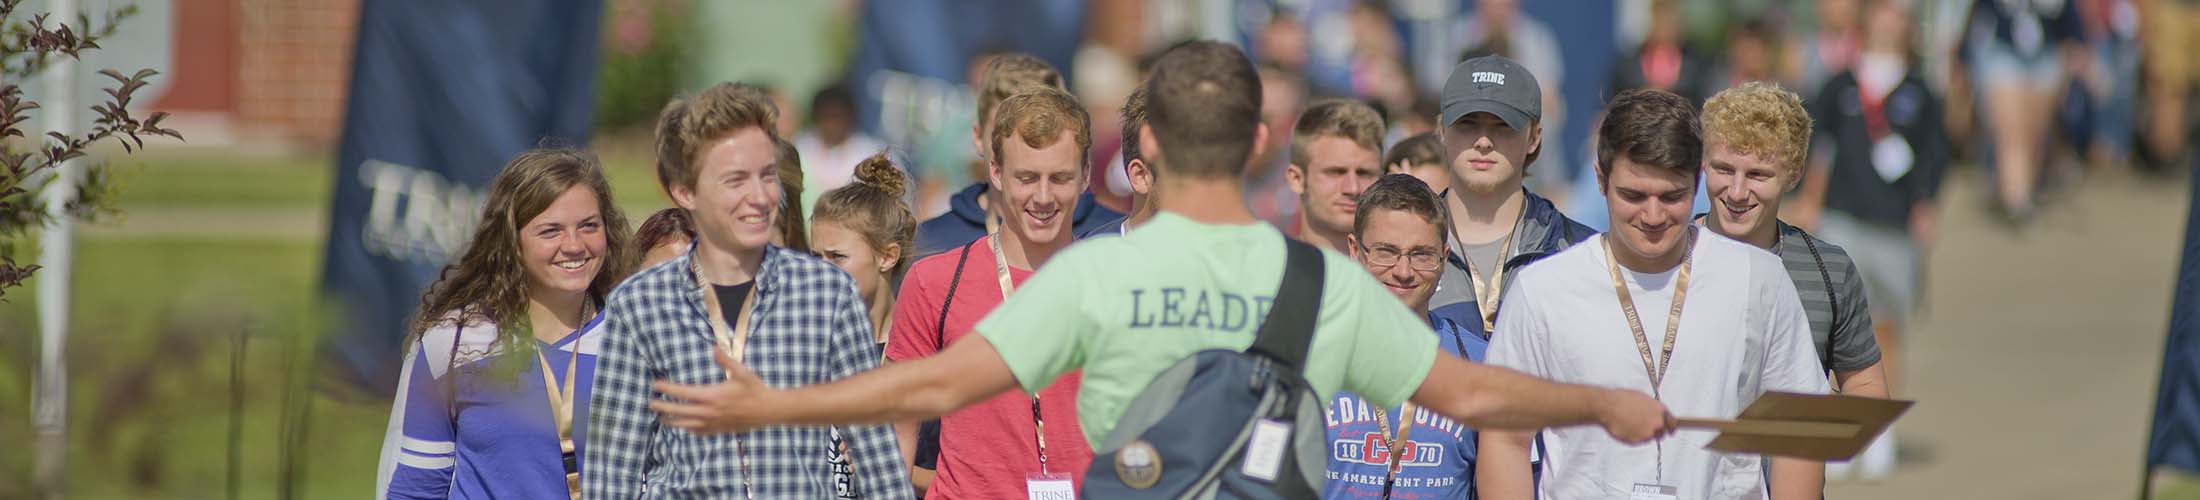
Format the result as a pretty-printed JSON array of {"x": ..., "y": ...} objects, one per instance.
[{"x": 808, "y": 327}]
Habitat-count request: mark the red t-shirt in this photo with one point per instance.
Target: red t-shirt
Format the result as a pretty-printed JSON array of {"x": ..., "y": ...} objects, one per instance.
[{"x": 987, "y": 450}]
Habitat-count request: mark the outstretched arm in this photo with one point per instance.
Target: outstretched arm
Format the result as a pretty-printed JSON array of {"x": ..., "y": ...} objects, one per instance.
[
  {"x": 1501, "y": 470},
  {"x": 1497, "y": 399},
  {"x": 967, "y": 372}
]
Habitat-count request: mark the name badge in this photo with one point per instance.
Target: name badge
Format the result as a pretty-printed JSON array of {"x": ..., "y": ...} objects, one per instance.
[
  {"x": 1264, "y": 455},
  {"x": 1050, "y": 487},
  {"x": 1892, "y": 158},
  {"x": 1653, "y": 492}
]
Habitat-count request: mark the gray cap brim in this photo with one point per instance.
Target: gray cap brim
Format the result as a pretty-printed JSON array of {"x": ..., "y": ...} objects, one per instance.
[{"x": 1514, "y": 117}]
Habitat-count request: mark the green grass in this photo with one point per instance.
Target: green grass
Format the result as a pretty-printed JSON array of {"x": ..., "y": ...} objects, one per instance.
[
  {"x": 151, "y": 324},
  {"x": 2169, "y": 484},
  {"x": 208, "y": 180}
]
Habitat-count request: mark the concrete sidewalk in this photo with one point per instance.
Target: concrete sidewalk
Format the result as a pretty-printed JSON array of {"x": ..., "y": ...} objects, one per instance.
[{"x": 2035, "y": 361}]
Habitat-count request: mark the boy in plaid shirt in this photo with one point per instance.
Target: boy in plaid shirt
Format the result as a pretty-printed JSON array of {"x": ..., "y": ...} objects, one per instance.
[{"x": 794, "y": 318}]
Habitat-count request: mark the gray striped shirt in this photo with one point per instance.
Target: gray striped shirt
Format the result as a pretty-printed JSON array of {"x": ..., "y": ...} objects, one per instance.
[{"x": 1840, "y": 321}]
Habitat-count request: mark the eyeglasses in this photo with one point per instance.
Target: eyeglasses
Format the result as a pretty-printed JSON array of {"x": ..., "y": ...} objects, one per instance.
[{"x": 1385, "y": 256}]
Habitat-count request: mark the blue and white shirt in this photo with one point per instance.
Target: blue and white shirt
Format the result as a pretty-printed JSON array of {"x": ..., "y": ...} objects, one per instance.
[
  {"x": 501, "y": 441},
  {"x": 1439, "y": 464},
  {"x": 809, "y": 326}
]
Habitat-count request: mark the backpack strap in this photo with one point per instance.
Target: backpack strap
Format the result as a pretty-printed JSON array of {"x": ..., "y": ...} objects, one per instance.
[
  {"x": 939, "y": 330},
  {"x": 1832, "y": 298},
  {"x": 1288, "y": 331},
  {"x": 928, "y": 434}
]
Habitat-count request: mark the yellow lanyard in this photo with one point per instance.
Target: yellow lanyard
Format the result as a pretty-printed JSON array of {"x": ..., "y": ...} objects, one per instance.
[
  {"x": 1000, "y": 270},
  {"x": 1488, "y": 291},
  {"x": 561, "y": 412},
  {"x": 1397, "y": 444},
  {"x": 733, "y": 340},
  {"x": 1656, "y": 370}
]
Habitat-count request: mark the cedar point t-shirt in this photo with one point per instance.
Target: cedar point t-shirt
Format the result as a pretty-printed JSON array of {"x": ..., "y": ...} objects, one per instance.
[
  {"x": 986, "y": 450},
  {"x": 1438, "y": 465},
  {"x": 1742, "y": 333},
  {"x": 1124, "y": 308}
]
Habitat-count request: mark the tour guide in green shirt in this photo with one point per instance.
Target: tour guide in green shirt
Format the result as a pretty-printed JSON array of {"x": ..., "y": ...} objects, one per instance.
[{"x": 1199, "y": 276}]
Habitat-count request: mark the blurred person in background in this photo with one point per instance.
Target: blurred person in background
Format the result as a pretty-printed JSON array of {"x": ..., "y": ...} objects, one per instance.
[
  {"x": 2112, "y": 80},
  {"x": 1421, "y": 156},
  {"x": 791, "y": 232},
  {"x": 1335, "y": 152},
  {"x": 1140, "y": 173},
  {"x": 785, "y": 105},
  {"x": 1664, "y": 61},
  {"x": 1267, "y": 190},
  {"x": 1825, "y": 48},
  {"x": 2022, "y": 53},
  {"x": 2172, "y": 45},
  {"x": 664, "y": 235},
  {"x": 1284, "y": 42},
  {"x": 1879, "y": 153},
  {"x": 1103, "y": 82},
  {"x": 521, "y": 306},
  {"x": 1378, "y": 71},
  {"x": 866, "y": 229},
  {"x": 1005, "y": 76},
  {"x": 946, "y": 162},
  {"x": 832, "y": 146},
  {"x": 1499, "y": 28},
  {"x": 1752, "y": 55}
]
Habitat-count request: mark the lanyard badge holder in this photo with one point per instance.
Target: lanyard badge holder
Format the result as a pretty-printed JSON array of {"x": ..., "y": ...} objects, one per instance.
[
  {"x": 1399, "y": 447},
  {"x": 1658, "y": 369},
  {"x": 734, "y": 340},
  {"x": 1046, "y": 485},
  {"x": 561, "y": 413},
  {"x": 1488, "y": 290}
]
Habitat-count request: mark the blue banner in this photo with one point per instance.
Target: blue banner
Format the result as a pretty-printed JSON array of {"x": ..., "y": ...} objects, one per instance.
[
  {"x": 914, "y": 56},
  {"x": 2175, "y": 439},
  {"x": 443, "y": 92}
]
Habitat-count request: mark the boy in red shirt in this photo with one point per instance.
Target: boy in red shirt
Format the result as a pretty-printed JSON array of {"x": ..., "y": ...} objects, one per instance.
[{"x": 1040, "y": 144}]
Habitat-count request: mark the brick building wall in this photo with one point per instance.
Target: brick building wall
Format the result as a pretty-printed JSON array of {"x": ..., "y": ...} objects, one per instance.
[{"x": 293, "y": 69}]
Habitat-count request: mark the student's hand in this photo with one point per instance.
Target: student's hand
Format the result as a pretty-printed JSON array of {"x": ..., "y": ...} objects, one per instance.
[
  {"x": 1923, "y": 227},
  {"x": 1633, "y": 417},
  {"x": 730, "y": 406}
]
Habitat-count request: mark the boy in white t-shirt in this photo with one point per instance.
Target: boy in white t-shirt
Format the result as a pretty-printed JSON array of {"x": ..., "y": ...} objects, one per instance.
[{"x": 1569, "y": 318}]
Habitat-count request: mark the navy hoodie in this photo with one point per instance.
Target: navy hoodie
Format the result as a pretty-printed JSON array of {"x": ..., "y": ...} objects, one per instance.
[{"x": 964, "y": 221}]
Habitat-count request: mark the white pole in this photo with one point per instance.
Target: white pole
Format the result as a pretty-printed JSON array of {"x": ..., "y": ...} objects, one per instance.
[{"x": 52, "y": 408}]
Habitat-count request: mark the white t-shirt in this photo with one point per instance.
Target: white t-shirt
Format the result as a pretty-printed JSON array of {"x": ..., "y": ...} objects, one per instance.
[{"x": 1743, "y": 332}]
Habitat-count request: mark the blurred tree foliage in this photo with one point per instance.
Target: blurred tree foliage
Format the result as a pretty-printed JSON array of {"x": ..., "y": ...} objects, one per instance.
[
  {"x": 640, "y": 70},
  {"x": 27, "y": 48}
]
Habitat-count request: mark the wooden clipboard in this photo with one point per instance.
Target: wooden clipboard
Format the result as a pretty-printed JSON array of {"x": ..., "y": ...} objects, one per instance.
[{"x": 1816, "y": 427}]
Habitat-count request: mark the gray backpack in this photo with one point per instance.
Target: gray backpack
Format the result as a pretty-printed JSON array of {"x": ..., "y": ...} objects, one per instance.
[{"x": 1226, "y": 424}]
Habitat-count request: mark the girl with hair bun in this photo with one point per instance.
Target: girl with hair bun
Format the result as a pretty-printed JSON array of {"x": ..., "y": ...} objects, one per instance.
[{"x": 867, "y": 229}]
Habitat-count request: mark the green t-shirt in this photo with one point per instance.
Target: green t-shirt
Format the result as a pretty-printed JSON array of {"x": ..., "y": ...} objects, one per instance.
[{"x": 1124, "y": 308}]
